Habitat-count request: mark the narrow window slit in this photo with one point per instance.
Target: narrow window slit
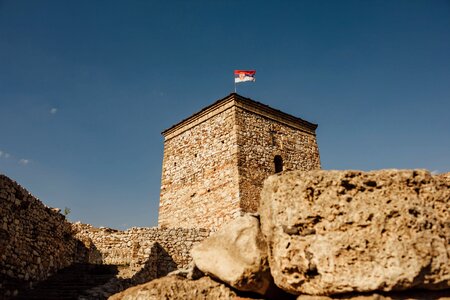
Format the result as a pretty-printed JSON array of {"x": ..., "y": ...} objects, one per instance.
[{"x": 278, "y": 161}]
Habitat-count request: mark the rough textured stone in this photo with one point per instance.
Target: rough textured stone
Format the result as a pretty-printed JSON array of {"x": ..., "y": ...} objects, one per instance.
[
  {"x": 133, "y": 246},
  {"x": 191, "y": 272},
  {"x": 412, "y": 295},
  {"x": 341, "y": 231},
  {"x": 216, "y": 160},
  {"x": 178, "y": 288},
  {"x": 236, "y": 255},
  {"x": 35, "y": 240}
]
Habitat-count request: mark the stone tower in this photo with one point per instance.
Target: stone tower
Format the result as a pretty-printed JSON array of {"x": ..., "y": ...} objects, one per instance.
[{"x": 216, "y": 160}]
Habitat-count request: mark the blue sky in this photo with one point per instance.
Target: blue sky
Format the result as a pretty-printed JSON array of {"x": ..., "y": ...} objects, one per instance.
[{"x": 86, "y": 87}]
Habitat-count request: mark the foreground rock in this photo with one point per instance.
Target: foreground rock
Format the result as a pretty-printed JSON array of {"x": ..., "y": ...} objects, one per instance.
[
  {"x": 408, "y": 295},
  {"x": 178, "y": 288},
  {"x": 332, "y": 232},
  {"x": 236, "y": 255}
]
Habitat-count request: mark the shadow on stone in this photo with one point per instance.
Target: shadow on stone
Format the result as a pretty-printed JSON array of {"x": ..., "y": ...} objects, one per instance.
[
  {"x": 71, "y": 282},
  {"x": 158, "y": 264},
  {"x": 164, "y": 262}
]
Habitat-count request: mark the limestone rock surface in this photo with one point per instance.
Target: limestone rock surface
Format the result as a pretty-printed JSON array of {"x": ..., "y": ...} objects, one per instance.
[
  {"x": 332, "y": 232},
  {"x": 409, "y": 295},
  {"x": 178, "y": 288},
  {"x": 236, "y": 255},
  {"x": 191, "y": 272}
]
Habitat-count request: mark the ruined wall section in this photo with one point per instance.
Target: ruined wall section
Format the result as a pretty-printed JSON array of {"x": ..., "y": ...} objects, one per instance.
[
  {"x": 260, "y": 139},
  {"x": 35, "y": 240},
  {"x": 200, "y": 178},
  {"x": 135, "y": 246}
]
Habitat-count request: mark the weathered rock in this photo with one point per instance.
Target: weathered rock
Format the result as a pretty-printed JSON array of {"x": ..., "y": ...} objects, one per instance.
[
  {"x": 177, "y": 288},
  {"x": 191, "y": 272},
  {"x": 333, "y": 232},
  {"x": 406, "y": 295},
  {"x": 236, "y": 255}
]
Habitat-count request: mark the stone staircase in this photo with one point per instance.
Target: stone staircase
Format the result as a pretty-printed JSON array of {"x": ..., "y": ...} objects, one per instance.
[{"x": 71, "y": 282}]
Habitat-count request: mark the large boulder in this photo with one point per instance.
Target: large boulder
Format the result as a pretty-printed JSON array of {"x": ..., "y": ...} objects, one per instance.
[
  {"x": 236, "y": 255},
  {"x": 406, "y": 295},
  {"x": 332, "y": 232},
  {"x": 178, "y": 288}
]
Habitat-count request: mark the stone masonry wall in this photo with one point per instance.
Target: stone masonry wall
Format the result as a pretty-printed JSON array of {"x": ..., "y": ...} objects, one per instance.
[
  {"x": 134, "y": 246},
  {"x": 215, "y": 162},
  {"x": 35, "y": 240},
  {"x": 259, "y": 140},
  {"x": 200, "y": 167}
]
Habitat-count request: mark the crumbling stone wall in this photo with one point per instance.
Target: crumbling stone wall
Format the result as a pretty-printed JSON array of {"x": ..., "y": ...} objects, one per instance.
[
  {"x": 135, "y": 247},
  {"x": 138, "y": 272},
  {"x": 35, "y": 240},
  {"x": 215, "y": 162}
]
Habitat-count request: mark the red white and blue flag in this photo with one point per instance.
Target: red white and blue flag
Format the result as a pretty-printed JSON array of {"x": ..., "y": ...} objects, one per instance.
[{"x": 243, "y": 76}]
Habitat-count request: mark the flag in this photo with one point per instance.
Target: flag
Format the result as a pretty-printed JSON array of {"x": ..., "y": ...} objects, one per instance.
[{"x": 243, "y": 76}]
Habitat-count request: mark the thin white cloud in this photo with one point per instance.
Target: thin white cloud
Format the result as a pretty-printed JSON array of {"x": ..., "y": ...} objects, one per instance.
[
  {"x": 24, "y": 162},
  {"x": 54, "y": 110},
  {"x": 4, "y": 154},
  {"x": 435, "y": 172}
]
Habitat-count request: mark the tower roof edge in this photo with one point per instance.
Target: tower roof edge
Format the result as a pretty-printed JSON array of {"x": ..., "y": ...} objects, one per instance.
[{"x": 244, "y": 103}]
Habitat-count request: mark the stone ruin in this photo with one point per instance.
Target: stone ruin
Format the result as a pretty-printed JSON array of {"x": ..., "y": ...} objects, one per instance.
[
  {"x": 36, "y": 241},
  {"x": 316, "y": 234},
  {"x": 323, "y": 235},
  {"x": 214, "y": 164},
  {"x": 215, "y": 161}
]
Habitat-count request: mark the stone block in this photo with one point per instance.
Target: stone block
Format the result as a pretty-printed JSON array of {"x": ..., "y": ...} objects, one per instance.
[{"x": 333, "y": 232}]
